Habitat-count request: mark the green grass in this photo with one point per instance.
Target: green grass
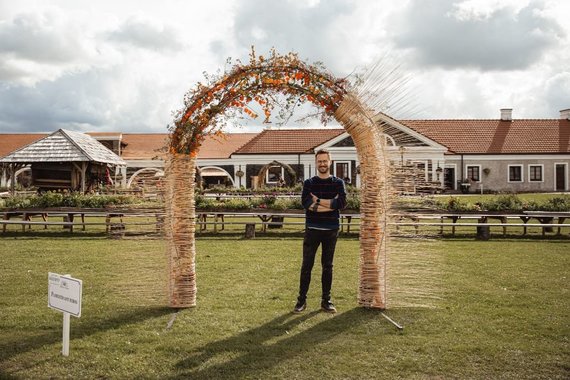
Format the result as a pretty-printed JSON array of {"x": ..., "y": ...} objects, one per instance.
[{"x": 496, "y": 309}]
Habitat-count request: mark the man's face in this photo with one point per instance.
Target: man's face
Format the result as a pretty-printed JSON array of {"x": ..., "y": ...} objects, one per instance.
[{"x": 323, "y": 163}]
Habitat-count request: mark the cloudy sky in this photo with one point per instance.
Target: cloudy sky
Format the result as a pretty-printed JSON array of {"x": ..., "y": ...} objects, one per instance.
[{"x": 111, "y": 65}]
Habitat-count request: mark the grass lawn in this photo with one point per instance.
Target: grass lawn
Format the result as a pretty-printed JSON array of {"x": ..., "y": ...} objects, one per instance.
[{"x": 471, "y": 309}]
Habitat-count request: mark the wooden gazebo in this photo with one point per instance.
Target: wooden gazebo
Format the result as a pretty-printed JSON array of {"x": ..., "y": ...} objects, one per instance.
[{"x": 63, "y": 160}]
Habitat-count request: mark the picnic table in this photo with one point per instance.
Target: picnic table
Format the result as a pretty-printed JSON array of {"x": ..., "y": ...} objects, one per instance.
[
  {"x": 25, "y": 218},
  {"x": 546, "y": 217},
  {"x": 267, "y": 218},
  {"x": 543, "y": 217},
  {"x": 23, "y": 215}
]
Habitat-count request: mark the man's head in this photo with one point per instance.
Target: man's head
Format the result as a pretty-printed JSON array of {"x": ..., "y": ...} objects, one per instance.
[{"x": 323, "y": 162}]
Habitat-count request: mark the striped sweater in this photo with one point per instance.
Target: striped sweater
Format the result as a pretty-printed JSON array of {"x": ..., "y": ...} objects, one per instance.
[{"x": 324, "y": 189}]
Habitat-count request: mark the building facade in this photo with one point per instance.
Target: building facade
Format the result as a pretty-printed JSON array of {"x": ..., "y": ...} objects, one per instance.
[{"x": 504, "y": 154}]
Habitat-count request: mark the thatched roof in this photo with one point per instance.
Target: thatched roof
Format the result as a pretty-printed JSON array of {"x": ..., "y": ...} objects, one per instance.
[{"x": 64, "y": 146}]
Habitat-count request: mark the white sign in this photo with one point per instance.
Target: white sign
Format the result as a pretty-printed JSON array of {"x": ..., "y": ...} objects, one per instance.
[{"x": 64, "y": 294}]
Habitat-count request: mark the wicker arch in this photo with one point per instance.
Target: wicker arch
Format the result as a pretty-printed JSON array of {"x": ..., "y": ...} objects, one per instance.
[
  {"x": 157, "y": 171},
  {"x": 199, "y": 173},
  {"x": 287, "y": 167},
  {"x": 205, "y": 106}
]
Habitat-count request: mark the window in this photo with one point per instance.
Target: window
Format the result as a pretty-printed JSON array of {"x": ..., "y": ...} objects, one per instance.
[
  {"x": 342, "y": 169},
  {"x": 474, "y": 172},
  {"x": 515, "y": 173},
  {"x": 274, "y": 173},
  {"x": 535, "y": 173}
]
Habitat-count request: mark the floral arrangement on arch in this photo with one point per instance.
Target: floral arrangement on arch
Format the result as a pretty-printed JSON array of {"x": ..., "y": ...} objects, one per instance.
[{"x": 283, "y": 81}]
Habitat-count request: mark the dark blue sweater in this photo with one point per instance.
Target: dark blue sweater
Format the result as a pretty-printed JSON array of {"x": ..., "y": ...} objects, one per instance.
[{"x": 324, "y": 189}]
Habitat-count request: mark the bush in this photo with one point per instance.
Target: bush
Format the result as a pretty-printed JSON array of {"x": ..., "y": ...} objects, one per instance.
[
  {"x": 281, "y": 204},
  {"x": 236, "y": 204},
  {"x": 508, "y": 202},
  {"x": 558, "y": 203},
  {"x": 456, "y": 204},
  {"x": 353, "y": 201},
  {"x": 52, "y": 199}
]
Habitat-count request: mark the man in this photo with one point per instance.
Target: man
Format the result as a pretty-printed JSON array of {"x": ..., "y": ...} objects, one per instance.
[{"x": 323, "y": 196}]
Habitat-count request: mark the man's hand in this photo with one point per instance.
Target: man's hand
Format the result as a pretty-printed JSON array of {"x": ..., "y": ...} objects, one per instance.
[
  {"x": 314, "y": 197},
  {"x": 319, "y": 207},
  {"x": 325, "y": 203}
]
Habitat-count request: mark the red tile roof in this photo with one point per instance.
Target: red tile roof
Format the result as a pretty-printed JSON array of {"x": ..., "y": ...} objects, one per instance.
[
  {"x": 140, "y": 146},
  {"x": 10, "y": 142},
  {"x": 459, "y": 136},
  {"x": 223, "y": 147},
  {"x": 288, "y": 141},
  {"x": 146, "y": 146},
  {"x": 497, "y": 137}
]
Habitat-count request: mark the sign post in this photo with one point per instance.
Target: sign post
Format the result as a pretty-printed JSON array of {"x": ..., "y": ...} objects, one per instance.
[{"x": 64, "y": 294}]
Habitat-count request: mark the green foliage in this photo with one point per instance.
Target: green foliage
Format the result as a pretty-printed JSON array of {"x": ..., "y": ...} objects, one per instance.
[
  {"x": 353, "y": 201},
  {"x": 243, "y": 191},
  {"x": 54, "y": 199},
  {"x": 282, "y": 204},
  {"x": 558, "y": 203},
  {"x": 203, "y": 203},
  {"x": 236, "y": 204},
  {"x": 269, "y": 200},
  {"x": 456, "y": 204},
  {"x": 257, "y": 202},
  {"x": 504, "y": 203},
  {"x": 507, "y": 202},
  {"x": 276, "y": 200}
]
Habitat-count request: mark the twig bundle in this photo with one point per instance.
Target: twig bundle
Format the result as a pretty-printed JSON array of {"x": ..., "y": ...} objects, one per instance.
[
  {"x": 180, "y": 228},
  {"x": 374, "y": 201}
]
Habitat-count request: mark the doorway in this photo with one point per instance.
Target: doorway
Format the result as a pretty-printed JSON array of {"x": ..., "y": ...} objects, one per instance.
[
  {"x": 449, "y": 178},
  {"x": 560, "y": 177}
]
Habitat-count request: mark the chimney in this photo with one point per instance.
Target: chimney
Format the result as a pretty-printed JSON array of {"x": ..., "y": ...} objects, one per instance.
[
  {"x": 506, "y": 114},
  {"x": 565, "y": 114}
]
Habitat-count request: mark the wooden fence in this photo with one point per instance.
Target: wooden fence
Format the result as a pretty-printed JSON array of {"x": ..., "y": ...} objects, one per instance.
[{"x": 151, "y": 221}]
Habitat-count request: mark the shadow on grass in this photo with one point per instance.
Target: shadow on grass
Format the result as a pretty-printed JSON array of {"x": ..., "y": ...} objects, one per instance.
[
  {"x": 263, "y": 235},
  {"x": 18, "y": 345},
  {"x": 53, "y": 234},
  {"x": 254, "y": 350},
  {"x": 514, "y": 238}
]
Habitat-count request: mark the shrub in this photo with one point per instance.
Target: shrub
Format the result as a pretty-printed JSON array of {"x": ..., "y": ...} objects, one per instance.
[
  {"x": 52, "y": 199},
  {"x": 281, "y": 204},
  {"x": 269, "y": 199},
  {"x": 558, "y": 203},
  {"x": 353, "y": 201},
  {"x": 507, "y": 202},
  {"x": 19, "y": 201},
  {"x": 454, "y": 204},
  {"x": 236, "y": 204}
]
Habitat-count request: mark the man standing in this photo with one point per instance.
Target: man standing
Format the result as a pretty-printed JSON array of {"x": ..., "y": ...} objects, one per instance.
[{"x": 323, "y": 196}]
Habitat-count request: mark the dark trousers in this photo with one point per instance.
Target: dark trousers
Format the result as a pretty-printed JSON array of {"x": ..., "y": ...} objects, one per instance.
[{"x": 311, "y": 242}]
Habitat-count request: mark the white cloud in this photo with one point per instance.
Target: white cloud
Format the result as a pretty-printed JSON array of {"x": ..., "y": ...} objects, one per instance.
[
  {"x": 441, "y": 34},
  {"x": 146, "y": 34},
  {"x": 126, "y": 65}
]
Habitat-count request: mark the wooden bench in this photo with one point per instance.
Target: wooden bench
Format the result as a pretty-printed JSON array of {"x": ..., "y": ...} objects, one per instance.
[
  {"x": 67, "y": 216},
  {"x": 26, "y": 216}
]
